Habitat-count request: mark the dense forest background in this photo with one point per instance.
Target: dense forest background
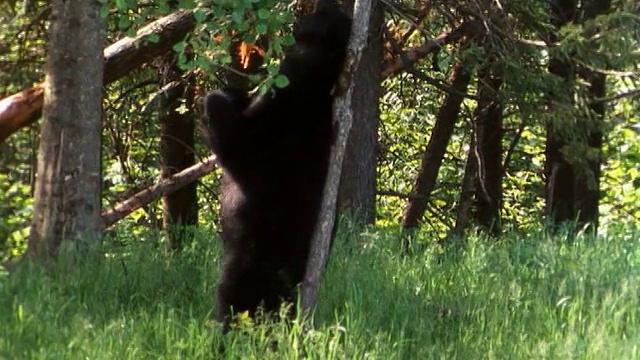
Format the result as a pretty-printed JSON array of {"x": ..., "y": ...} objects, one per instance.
[
  {"x": 468, "y": 115},
  {"x": 485, "y": 135}
]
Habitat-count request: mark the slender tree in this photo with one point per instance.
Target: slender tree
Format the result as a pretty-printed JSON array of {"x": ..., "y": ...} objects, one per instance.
[{"x": 177, "y": 142}]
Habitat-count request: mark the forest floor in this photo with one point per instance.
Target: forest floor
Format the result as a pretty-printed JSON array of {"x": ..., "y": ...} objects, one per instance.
[{"x": 524, "y": 297}]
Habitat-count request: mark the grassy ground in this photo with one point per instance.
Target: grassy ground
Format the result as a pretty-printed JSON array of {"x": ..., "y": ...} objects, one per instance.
[{"x": 522, "y": 298}]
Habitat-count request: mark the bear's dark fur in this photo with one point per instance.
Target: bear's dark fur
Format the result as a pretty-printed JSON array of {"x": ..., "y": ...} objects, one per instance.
[{"x": 274, "y": 150}]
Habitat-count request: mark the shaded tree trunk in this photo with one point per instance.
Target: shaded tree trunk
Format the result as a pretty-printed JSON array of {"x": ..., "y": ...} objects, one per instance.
[
  {"x": 588, "y": 185},
  {"x": 488, "y": 133},
  {"x": 467, "y": 191},
  {"x": 559, "y": 174},
  {"x": 67, "y": 197},
  {"x": 434, "y": 154},
  {"x": 358, "y": 182},
  {"x": 177, "y": 142},
  {"x": 573, "y": 189}
]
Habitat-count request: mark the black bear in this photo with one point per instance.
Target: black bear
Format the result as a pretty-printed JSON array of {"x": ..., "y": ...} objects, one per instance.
[{"x": 274, "y": 151}]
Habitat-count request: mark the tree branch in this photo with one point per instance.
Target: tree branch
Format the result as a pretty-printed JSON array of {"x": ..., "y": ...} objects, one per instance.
[
  {"x": 411, "y": 56},
  {"x": 24, "y": 108},
  {"x": 164, "y": 186}
]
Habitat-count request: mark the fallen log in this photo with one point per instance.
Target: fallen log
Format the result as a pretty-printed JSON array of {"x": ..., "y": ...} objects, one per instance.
[
  {"x": 123, "y": 56},
  {"x": 20, "y": 110},
  {"x": 163, "y": 187}
]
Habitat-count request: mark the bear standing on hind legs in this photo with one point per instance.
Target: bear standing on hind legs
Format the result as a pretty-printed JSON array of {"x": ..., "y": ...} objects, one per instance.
[{"x": 274, "y": 151}]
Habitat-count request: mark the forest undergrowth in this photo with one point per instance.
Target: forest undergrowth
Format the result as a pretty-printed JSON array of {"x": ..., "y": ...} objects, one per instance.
[{"x": 522, "y": 297}]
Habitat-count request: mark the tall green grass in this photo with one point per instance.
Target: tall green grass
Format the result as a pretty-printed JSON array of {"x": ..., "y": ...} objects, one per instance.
[{"x": 525, "y": 297}]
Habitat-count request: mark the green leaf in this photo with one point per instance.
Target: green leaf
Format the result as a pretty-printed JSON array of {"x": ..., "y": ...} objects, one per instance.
[
  {"x": 179, "y": 47},
  {"x": 263, "y": 14},
  {"x": 261, "y": 28},
  {"x": 281, "y": 81},
  {"x": 200, "y": 14}
]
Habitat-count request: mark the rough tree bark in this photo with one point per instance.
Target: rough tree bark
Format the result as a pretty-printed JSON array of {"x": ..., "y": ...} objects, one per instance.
[
  {"x": 358, "y": 182},
  {"x": 177, "y": 143},
  {"x": 319, "y": 250},
  {"x": 67, "y": 196},
  {"x": 433, "y": 156}
]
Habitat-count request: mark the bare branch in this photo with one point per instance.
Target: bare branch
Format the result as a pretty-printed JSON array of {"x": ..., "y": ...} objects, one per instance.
[
  {"x": 164, "y": 186},
  {"x": 411, "y": 56},
  {"x": 626, "y": 94},
  {"x": 22, "y": 109}
]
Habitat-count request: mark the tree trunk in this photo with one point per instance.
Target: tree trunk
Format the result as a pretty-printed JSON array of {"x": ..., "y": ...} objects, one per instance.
[
  {"x": 434, "y": 154},
  {"x": 488, "y": 133},
  {"x": 319, "y": 249},
  {"x": 467, "y": 190},
  {"x": 67, "y": 196},
  {"x": 588, "y": 185},
  {"x": 358, "y": 182},
  {"x": 573, "y": 189},
  {"x": 588, "y": 180},
  {"x": 559, "y": 176},
  {"x": 177, "y": 143}
]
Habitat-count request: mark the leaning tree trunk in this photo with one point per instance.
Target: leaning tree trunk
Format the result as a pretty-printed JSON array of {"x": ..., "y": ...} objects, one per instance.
[
  {"x": 165, "y": 186},
  {"x": 342, "y": 112},
  {"x": 177, "y": 142},
  {"x": 488, "y": 133},
  {"x": 433, "y": 156},
  {"x": 358, "y": 182},
  {"x": 67, "y": 196}
]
